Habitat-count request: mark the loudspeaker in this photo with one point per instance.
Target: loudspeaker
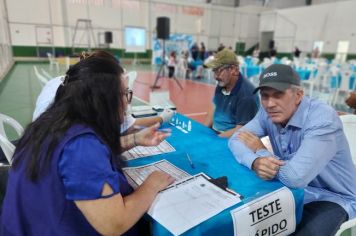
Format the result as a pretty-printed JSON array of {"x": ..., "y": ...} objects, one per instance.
[
  {"x": 163, "y": 28},
  {"x": 108, "y": 37}
]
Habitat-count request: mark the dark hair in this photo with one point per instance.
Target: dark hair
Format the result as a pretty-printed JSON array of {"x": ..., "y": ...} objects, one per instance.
[
  {"x": 92, "y": 95},
  {"x": 98, "y": 53}
]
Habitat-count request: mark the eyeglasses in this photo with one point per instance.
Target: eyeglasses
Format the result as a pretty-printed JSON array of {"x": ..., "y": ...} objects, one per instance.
[
  {"x": 219, "y": 70},
  {"x": 128, "y": 94}
]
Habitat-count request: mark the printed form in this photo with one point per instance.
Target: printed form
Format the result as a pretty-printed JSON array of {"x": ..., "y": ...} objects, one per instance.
[
  {"x": 190, "y": 202},
  {"x": 141, "y": 151},
  {"x": 136, "y": 175}
]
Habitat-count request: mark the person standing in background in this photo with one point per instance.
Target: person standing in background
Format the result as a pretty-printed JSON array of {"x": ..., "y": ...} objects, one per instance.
[
  {"x": 172, "y": 61},
  {"x": 296, "y": 52},
  {"x": 220, "y": 47},
  {"x": 194, "y": 50},
  {"x": 202, "y": 51},
  {"x": 256, "y": 51},
  {"x": 315, "y": 53}
]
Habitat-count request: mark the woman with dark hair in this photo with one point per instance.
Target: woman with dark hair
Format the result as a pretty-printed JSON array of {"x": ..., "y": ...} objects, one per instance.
[
  {"x": 66, "y": 177},
  {"x": 47, "y": 96}
]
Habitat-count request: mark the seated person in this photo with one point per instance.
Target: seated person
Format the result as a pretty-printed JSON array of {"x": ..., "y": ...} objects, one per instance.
[
  {"x": 46, "y": 97},
  {"x": 66, "y": 177},
  {"x": 310, "y": 150},
  {"x": 234, "y": 103}
]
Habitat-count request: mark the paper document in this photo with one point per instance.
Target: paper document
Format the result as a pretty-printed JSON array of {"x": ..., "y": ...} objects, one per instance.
[
  {"x": 136, "y": 175},
  {"x": 140, "y": 151},
  {"x": 141, "y": 108},
  {"x": 190, "y": 202},
  {"x": 144, "y": 113}
]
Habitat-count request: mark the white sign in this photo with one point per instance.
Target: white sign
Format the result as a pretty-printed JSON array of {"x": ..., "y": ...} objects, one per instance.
[{"x": 272, "y": 214}]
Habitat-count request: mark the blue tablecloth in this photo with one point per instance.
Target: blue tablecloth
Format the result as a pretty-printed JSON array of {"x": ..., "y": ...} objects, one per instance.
[{"x": 211, "y": 155}]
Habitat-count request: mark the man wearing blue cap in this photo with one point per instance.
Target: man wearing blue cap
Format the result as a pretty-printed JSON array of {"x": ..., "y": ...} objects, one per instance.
[{"x": 310, "y": 151}]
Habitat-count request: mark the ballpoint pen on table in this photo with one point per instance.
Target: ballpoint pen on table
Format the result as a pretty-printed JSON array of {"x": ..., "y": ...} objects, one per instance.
[{"x": 190, "y": 161}]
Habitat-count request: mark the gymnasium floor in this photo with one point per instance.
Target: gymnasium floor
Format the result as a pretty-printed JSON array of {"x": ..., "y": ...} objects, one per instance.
[{"x": 20, "y": 88}]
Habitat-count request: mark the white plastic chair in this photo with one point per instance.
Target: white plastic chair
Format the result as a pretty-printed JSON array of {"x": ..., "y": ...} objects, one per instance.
[
  {"x": 350, "y": 224},
  {"x": 326, "y": 91},
  {"x": 209, "y": 74},
  {"x": 286, "y": 61},
  {"x": 344, "y": 85},
  {"x": 349, "y": 123},
  {"x": 43, "y": 80},
  {"x": 7, "y": 147},
  {"x": 243, "y": 68},
  {"x": 5, "y": 119},
  {"x": 255, "y": 61},
  {"x": 266, "y": 63},
  {"x": 314, "y": 82},
  {"x": 46, "y": 74},
  {"x": 67, "y": 62},
  {"x": 132, "y": 75},
  {"x": 52, "y": 61},
  {"x": 181, "y": 68}
]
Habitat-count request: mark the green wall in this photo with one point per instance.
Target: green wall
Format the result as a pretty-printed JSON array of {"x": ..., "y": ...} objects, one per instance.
[{"x": 31, "y": 51}]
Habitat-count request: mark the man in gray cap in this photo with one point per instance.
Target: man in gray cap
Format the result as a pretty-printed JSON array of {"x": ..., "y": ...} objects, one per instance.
[
  {"x": 234, "y": 103},
  {"x": 310, "y": 151}
]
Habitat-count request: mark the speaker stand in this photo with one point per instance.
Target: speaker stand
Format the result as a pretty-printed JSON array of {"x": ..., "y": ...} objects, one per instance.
[{"x": 160, "y": 72}]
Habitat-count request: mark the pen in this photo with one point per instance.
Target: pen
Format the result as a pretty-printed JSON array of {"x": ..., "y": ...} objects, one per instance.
[{"x": 190, "y": 161}]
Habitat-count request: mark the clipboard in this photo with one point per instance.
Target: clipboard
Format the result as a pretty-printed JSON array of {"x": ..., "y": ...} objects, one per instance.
[
  {"x": 220, "y": 182},
  {"x": 190, "y": 202}
]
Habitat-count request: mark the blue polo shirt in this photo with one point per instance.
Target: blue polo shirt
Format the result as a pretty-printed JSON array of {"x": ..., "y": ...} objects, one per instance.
[{"x": 237, "y": 108}]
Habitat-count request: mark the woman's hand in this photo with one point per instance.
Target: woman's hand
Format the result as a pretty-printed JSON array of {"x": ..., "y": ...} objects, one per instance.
[
  {"x": 151, "y": 136},
  {"x": 158, "y": 181}
]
